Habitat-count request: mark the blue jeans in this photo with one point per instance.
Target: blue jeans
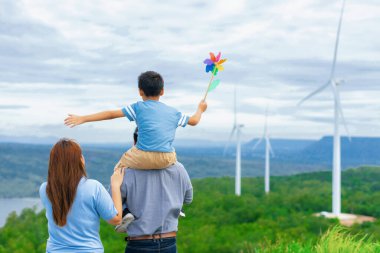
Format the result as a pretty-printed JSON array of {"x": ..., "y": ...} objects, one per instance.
[{"x": 164, "y": 245}]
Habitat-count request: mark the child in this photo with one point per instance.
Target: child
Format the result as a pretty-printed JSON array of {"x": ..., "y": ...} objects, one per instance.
[{"x": 157, "y": 124}]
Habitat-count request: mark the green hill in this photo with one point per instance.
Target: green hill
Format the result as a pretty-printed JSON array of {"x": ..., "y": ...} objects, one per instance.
[
  {"x": 26, "y": 165},
  {"x": 218, "y": 221}
]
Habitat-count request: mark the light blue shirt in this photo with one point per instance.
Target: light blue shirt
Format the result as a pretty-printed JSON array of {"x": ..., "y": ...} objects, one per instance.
[
  {"x": 81, "y": 232},
  {"x": 157, "y": 124},
  {"x": 155, "y": 198}
]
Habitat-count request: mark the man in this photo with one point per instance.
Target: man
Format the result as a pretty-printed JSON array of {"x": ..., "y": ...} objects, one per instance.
[{"x": 155, "y": 198}]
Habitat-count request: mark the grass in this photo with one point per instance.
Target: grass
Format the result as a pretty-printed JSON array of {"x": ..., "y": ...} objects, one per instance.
[{"x": 335, "y": 240}]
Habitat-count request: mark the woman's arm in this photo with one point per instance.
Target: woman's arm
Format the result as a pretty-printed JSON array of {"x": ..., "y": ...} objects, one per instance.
[
  {"x": 74, "y": 120},
  {"x": 116, "y": 181}
]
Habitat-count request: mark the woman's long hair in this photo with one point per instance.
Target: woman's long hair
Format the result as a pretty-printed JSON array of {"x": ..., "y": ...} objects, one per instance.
[{"x": 66, "y": 169}]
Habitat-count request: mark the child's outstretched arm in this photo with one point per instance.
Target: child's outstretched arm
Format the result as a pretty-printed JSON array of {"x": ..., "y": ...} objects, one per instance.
[
  {"x": 194, "y": 120},
  {"x": 74, "y": 120}
]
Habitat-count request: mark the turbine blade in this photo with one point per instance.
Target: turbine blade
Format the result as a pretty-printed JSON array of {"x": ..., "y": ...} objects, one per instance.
[
  {"x": 344, "y": 122},
  {"x": 229, "y": 140},
  {"x": 270, "y": 148},
  {"x": 266, "y": 121},
  {"x": 257, "y": 143},
  {"x": 337, "y": 41},
  {"x": 314, "y": 93},
  {"x": 337, "y": 98},
  {"x": 235, "y": 121}
]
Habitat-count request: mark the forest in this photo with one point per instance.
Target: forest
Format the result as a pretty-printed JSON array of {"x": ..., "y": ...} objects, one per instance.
[{"x": 218, "y": 221}]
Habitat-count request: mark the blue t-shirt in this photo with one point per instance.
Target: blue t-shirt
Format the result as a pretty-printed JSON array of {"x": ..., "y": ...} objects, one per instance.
[
  {"x": 157, "y": 124},
  {"x": 81, "y": 232}
]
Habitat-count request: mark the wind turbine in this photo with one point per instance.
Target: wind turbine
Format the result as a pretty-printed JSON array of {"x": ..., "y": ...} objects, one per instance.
[
  {"x": 236, "y": 129},
  {"x": 268, "y": 152},
  {"x": 338, "y": 115}
]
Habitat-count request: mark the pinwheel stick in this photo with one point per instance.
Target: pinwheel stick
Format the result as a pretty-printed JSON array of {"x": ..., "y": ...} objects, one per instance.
[{"x": 208, "y": 87}]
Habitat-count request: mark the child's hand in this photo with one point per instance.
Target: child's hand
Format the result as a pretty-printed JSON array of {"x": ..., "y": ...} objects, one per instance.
[
  {"x": 202, "y": 106},
  {"x": 194, "y": 120},
  {"x": 73, "y": 120}
]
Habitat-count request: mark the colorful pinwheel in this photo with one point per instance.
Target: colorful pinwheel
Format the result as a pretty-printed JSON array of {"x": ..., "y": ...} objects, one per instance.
[{"x": 213, "y": 65}]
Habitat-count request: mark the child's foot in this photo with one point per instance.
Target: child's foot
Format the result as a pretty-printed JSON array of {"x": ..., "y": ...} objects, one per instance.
[
  {"x": 182, "y": 214},
  {"x": 127, "y": 219}
]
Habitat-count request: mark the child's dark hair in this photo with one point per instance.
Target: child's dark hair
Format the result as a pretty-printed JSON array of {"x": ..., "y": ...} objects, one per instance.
[{"x": 151, "y": 83}]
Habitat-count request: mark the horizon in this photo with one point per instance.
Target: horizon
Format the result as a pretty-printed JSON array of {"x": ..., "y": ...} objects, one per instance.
[{"x": 50, "y": 140}]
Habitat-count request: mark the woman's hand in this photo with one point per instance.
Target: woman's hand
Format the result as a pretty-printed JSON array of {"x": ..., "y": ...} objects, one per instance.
[
  {"x": 116, "y": 181},
  {"x": 117, "y": 177},
  {"x": 73, "y": 120}
]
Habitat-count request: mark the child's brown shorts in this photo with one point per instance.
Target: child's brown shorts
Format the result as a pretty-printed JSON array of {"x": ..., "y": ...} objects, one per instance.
[{"x": 145, "y": 160}]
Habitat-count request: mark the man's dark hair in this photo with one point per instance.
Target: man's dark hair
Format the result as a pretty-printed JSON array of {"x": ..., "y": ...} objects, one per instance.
[{"x": 151, "y": 83}]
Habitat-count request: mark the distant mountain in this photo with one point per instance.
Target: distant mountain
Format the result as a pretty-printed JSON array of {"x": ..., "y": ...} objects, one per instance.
[
  {"x": 283, "y": 145},
  {"x": 358, "y": 151}
]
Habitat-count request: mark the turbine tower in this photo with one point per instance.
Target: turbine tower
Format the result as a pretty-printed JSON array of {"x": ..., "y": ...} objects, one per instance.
[
  {"x": 338, "y": 116},
  {"x": 236, "y": 129},
  {"x": 268, "y": 152}
]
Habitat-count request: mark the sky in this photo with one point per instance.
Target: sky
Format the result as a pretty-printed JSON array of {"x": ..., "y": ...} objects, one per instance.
[{"x": 85, "y": 56}]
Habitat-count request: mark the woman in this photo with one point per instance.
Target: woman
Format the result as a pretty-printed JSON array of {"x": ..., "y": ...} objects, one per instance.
[{"x": 74, "y": 204}]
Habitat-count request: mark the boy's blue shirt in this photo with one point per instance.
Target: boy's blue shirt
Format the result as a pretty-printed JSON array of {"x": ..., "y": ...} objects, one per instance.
[{"x": 157, "y": 124}]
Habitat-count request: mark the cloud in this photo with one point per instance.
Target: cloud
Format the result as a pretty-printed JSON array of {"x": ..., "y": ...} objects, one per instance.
[
  {"x": 13, "y": 107},
  {"x": 83, "y": 57}
]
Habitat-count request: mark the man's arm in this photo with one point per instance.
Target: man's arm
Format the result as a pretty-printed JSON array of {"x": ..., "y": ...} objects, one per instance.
[
  {"x": 194, "y": 120},
  {"x": 188, "y": 196},
  {"x": 74, "y": 120},
  {"x": 186, "y": 182}
]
